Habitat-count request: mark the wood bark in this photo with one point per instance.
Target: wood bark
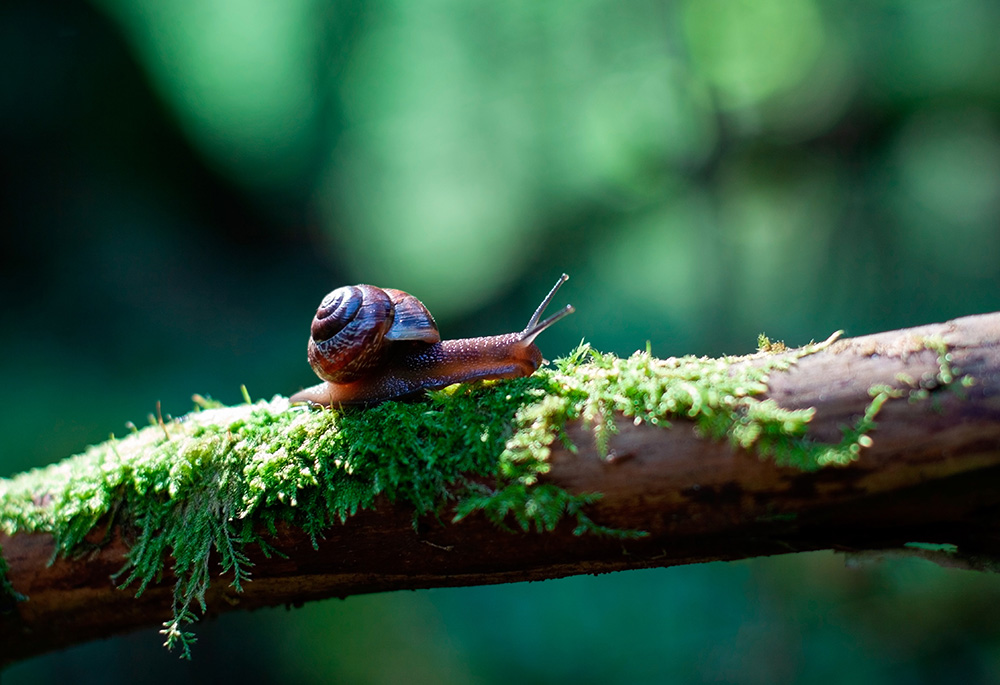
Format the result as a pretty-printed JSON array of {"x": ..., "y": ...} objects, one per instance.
[{"x": 932, "y": 474}]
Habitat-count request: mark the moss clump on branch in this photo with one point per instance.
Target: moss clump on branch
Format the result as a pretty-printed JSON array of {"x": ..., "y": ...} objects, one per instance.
[
  {"x": 204, "y": 488},
  {"x": 720, "y": 395}
]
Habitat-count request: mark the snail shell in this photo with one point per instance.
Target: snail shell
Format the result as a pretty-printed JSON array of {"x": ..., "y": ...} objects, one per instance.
[{"x": 354, "y": 324}]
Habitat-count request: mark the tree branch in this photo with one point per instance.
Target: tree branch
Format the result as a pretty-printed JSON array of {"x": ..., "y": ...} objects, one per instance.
[{"x": 929, "y": 472}]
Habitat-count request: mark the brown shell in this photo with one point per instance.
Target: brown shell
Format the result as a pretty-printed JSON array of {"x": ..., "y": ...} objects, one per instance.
[{"x": 354, "y": 324}]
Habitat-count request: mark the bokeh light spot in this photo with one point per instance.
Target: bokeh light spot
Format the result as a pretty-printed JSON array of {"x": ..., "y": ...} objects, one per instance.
[
  {"x": 239, "y": 75},
  {"x": 752, "y": 49}
]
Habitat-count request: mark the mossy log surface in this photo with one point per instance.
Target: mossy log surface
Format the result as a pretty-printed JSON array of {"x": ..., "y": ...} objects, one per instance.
[{"x": 928, "y": 471}]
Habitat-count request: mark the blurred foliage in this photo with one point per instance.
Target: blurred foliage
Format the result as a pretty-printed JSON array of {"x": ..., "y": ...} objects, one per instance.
[{"x": 181, "y": 182}]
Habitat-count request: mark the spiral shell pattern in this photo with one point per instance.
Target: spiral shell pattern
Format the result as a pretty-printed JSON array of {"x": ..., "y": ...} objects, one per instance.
[{"x": 348, "y": 332}]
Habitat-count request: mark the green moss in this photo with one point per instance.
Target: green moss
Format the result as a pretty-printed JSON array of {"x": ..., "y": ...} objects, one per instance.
[
  {"x": 721, "y": 396},
  {"x": 201, "y": 490},
  {"x": 765, "y": 344}
]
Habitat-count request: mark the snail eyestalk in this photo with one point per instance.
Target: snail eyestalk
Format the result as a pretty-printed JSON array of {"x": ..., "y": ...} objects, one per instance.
[
  {"x": 533, "y": 321},
  {"x": 533, "y": 328}
]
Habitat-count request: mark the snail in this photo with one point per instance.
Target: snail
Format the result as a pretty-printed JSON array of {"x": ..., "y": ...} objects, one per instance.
[{"x": 373, "y": 344}]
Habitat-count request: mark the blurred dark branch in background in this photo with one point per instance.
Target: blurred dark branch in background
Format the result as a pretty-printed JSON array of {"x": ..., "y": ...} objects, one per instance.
[{"x": 931, "y": 475}]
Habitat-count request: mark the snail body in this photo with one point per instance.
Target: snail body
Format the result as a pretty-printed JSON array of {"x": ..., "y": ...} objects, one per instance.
[{"x": 372, "y": 344}]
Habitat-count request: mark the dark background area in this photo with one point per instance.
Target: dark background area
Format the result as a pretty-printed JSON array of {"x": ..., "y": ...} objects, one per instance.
[{"x": 180, "y": 183}]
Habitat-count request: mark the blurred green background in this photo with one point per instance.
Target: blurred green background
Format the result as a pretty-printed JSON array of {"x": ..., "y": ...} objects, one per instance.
[{"x": 181, "y": 182}]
